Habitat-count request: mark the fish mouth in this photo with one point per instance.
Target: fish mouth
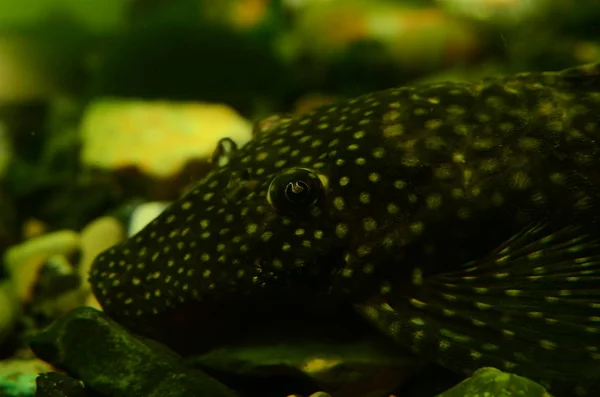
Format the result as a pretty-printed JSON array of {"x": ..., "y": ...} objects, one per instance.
[{"x": 198, "y": 327}]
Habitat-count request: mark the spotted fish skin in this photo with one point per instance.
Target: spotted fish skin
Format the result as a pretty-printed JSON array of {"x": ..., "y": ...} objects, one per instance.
[{"x": 367, "y": 197}]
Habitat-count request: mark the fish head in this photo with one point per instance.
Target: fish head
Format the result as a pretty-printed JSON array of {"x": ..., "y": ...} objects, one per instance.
[{"x": 279, "y": 215}]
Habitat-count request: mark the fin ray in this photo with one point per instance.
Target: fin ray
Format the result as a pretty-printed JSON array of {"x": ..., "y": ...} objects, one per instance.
[{"x": 531, "y": 307}]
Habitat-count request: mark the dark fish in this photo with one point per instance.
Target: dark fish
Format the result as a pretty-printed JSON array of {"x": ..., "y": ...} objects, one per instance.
[{"x": 461, "y": 219}]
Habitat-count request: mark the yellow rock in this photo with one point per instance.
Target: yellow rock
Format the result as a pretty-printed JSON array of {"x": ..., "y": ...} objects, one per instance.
[
  {"x": 24, "y": 368},
  {"x": 156, "y": 137},
  {"x": 97, "y": 236},
  {"x": 144, "y": 214},
  {"x": 411, "y": 36},
  {"x": 23, "y": 262}
]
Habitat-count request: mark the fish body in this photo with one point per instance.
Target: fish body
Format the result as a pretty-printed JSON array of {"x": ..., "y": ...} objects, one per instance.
[{"x": 460, "y": 219}]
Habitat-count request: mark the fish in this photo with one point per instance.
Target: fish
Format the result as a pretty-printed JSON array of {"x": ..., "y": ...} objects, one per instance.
[{"x": 459, "y": 219}]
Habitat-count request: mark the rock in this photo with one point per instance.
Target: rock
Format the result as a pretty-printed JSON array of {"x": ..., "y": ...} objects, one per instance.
[
  {"x": 17, "y": 376},
  {"x": 502, "y": 13},
  {"x": 58, "y": 290},
  {"x": 111, "y": 361},
  {"x": 326, "y": 30},
  {"x": 493, "y": 382},
  {"x": 9, "y": 309},
  {"x": 158, "y": 138},
  {"x": 144, "y": 214},
  {"x": 6, "y": 150},
  {"x": 317, "y": 394},
  {"x": 363, "y": 366},
  {"x": 23, "y": 72},
  {"x": 33, "y": 228},
  {"x": 8, "y": 218},
  {"x": 54, "y": 384},
  {"x": 24, "y": 262},
  {"x": 96, "y": 237},
  {"x": 43, "y": 278}
]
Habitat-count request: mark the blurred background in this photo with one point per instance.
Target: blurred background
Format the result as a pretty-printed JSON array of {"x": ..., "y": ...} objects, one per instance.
[{"x": 110, "y": 109}]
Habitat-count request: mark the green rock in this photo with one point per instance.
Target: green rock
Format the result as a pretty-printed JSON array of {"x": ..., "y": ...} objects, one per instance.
[
  {"x": 54, "y": 384},
  {"x": 490, "y": 382},
  {"x": 111, "y": 361}
]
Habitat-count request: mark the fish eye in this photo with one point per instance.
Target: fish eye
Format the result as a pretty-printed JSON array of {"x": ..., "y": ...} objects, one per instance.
[{"x": 295, "y": 189}]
